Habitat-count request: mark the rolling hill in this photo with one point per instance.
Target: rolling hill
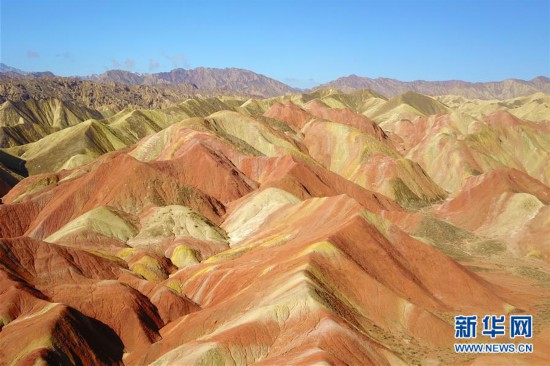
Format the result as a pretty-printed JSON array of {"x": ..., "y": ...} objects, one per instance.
[{"x": 309, "y": 228}]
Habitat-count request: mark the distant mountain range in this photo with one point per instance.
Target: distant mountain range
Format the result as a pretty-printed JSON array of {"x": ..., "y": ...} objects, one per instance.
[
  {"x": 233, "y": 81},
  {"x": 311, "y": 228},
  {"x": 5, "y": 68},
  {"x": 227, "y": 81},
  {"x": 8, "y": 71},
  {"x": 230, "y": 79}
]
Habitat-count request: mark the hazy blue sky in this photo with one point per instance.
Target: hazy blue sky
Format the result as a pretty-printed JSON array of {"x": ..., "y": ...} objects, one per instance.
[{"x": 297, "y": 42}]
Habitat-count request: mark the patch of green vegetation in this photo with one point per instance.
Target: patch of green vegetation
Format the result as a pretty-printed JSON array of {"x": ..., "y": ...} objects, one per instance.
[
  {"x": 212, "y": 357},
  {"x": 370, "y": 144},
  {"x": 44, "y": 182},
  {"x": 448, "y": 238},
  {"x": 454, "y": 252},
  {"x": 275, "y": 124},
  {"x": 405, "y": 197},
  {"x": 242, "y": 146},
  {"x": 477, "y": 269},
  {"x": 442, "y": 232},
  {"x": 187, "y": 196},
  {"x": 154, "y": 195},
  {"x": 488, "y": 247},
  {"x": 380, "y": 223},
  {"x": 196, "y": 216},
  {"x": 533, "y": 273},
  {"x": 475, "y": 172}
]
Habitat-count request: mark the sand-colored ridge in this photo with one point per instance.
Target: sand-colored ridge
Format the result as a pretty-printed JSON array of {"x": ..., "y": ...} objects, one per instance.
[
  {"x": 101, "y": 220},
  {"x": 173, "y": 222},
  {"x": 241, "y": 221},
  {"x": 409, "y": 103}
]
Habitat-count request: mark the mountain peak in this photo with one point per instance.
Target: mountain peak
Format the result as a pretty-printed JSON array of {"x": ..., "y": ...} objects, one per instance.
[
  {"x": 6, "y": 68},
  {"x": 509, "y": 88}
]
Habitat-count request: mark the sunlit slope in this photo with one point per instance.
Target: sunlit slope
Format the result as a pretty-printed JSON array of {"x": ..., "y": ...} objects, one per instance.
[
  {"x": 357, "y": 149},
  {"x": 290, "y": 230},
  {"x": 30, "y": 120},
  {"x": 455, "y": 146},
  {"x": 81, "y": 142},
  {"x": 505, "y": 204},
  {"x": 69, "y": 147},
  {"x": 410, "y": 103},
  {"x": 326, "y": 284},
  {"x": 535, "y": 107},
  {"x": 37, "y": 120}
]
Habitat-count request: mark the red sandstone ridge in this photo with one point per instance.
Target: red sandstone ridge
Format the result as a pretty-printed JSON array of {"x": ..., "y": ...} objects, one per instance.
[
  {"x": 280, "y": 231},
  {"x": 345, "y": 116},
  {"x": 506, "y": 204},
  {"x": 289, "y": 113},
  {"x": 504, "y": 118}
]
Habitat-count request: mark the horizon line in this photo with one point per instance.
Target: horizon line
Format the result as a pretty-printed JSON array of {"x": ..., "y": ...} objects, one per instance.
[{"x": 273, "y": 78}]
